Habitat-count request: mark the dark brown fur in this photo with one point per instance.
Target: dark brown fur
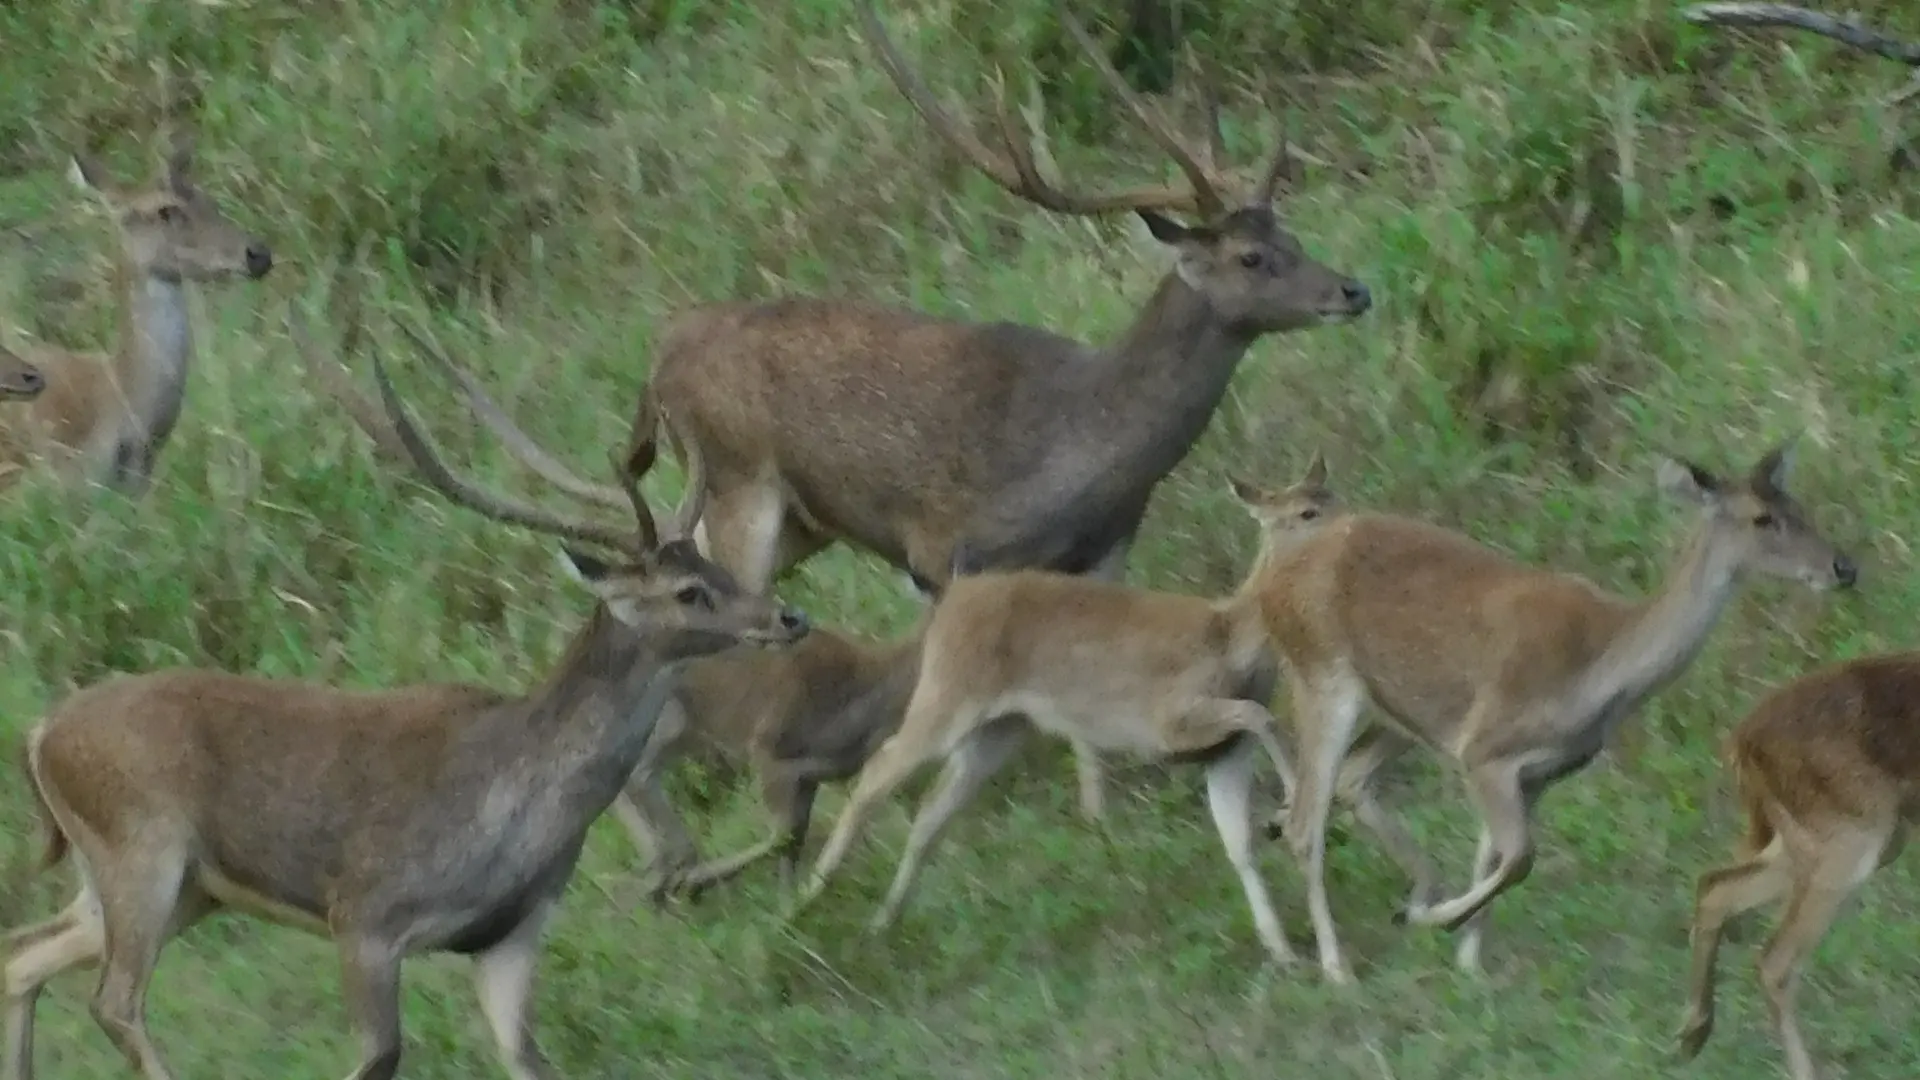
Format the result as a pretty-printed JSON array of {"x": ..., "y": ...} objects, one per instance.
[{"x": 1828, "y": 771}]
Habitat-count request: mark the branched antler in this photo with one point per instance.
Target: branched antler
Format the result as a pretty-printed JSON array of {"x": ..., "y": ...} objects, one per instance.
[{"x": 1846, "y": 29}]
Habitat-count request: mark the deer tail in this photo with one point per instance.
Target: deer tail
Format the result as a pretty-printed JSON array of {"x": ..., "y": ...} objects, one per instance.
[{"x": 54, "y": 842}]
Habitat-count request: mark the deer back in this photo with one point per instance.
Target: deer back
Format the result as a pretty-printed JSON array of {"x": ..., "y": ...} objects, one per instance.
[{"x": 1840, "y": 742}]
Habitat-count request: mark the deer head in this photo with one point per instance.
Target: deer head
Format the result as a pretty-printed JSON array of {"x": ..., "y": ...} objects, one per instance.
[
  {"x": 1237, "y": 254},
  {"x": 172, "y": 230},
  {"x": 1305, "y": 504},
  {"x": 1763, "y": 526}
]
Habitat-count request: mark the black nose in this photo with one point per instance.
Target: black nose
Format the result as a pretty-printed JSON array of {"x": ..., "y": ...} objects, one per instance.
[
  {"x": 793, "y": 620},
  {"x": 259, "y": 260},
  {"x": 1845, "y": 572},
  {"x": 30, "y": 382},
  {"x": 1359, "y": 298}
]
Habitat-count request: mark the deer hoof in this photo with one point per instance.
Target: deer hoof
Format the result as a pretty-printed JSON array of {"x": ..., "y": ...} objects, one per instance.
[{"x": 1693, "y": 1036}]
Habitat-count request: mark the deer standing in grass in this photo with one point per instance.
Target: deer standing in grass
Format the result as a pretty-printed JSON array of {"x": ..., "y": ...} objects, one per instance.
[
  {"x": 19, "y": 380},
  {"x": 431, "y": 818},
  {"x": 106, "y": 418},
  {"x": 1515, "y": 674},
  {"x": 1828, "y": 769},
  {"x": 1159, "y": 675},
  {"x": 935, "y": 442}
]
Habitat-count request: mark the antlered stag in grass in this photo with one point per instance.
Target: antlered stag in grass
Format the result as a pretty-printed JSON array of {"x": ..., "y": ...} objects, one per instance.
[
  {"x": 934, "y": 442},
  {"x": 1157, "y": 675},
  {"x": 1828, "y": 769},
  {"x": 106, "y": 418},
  {"x": 433, "y": 818},
  {"x": 1515, "y": 674}
]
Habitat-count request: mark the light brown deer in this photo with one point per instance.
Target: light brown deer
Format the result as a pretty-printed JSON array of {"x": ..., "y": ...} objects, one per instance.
[
  {"x": 1154, "y": 674},
  {"x": 106, "y": 418},
  {"x": 934, "y": 442},
  {"x": 431, "y": 818},
  {"x": 1516, "y": 674},
  {"x": 19, "y": 380},
  {"x": 1828, "y": 769}
]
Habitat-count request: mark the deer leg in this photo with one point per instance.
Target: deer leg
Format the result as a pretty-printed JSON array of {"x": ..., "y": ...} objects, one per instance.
[
  {"x": 971, "y": 763},
  {"x": 1719, "y": 896},
  {"x": 144, "y": 900},
  {"x": 789, "y": 799},
  {"x": 1839, "y": 867},
  {"x": 1088, "y": 772},
  {"x": 71, "y": 939},
  {"x": 743, "y": 527},
  {"x": 1326, "y": 712},
  {"x": 503, "y": 979},
  {"x": 1355, "y": 784},
  {"x": 370, "y": 976},
  {"x": 1466, "y": 954},
  {"x": 1505, "y": 809},
  {"x": 1230, "y": 798},
  {"x": 897, "y": 759}
]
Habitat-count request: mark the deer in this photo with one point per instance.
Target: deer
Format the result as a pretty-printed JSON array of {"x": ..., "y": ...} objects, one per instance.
[
  {"x": 432, "y": 818},
  {"x": 1827, "y": 769},
  {"x": 106, "y": 418},
  {"x": 1515, "y": 675},
  {"x": 935, "y": 442},
  {"x": 19, "y": 380},
  {"x": 1161, "y": 675}
]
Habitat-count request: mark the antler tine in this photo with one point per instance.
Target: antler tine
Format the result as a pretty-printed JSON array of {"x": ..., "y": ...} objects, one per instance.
[
  {"x": 334, "y": 380},
  {"x": 693, "y": 501},
  {"x": 1019, "y": 176},
  {"x": 462, "y": 492},
  {"x": 1206, "y": 195},
  {"x": 1281, "y": 167},
  {"x": 518, "y": 443},
  {"x": 1848, "y": 30},
  {"x": 1216, "y": 144},
  {"x": 647, "y": 531}
]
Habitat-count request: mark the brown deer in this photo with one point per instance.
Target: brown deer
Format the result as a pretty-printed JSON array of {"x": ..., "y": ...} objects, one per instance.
[
  {"x": 936, "y": 442},
  {"x": 1155, "y": 674},
  {"x": 1828, "y": 769},
  {"x": 431, "y": 818},
  {"x": 1848, "y": 31},
  {"x": 19, "y": 380},
  {"x": 106, "y": 418},
  {"x": 1516, "y": 674}
]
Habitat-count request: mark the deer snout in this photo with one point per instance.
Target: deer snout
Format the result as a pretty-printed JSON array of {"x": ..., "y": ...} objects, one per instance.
[
  {"x": 1358, "y": 297},
  {"x": 1845, "y": 573},
  {"x": 26, "y": 383},
  {"x": 794, "y": 622},
  {"x": 259, "y": 259}
]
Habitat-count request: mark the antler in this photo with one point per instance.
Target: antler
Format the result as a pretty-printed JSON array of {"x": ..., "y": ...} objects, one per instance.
[
  {"x": 644, "y": 538},
  {"x": 1848, "y": 30},
  {"x": 1013, "y": 165},
  {"x": 331, "y": 377}
]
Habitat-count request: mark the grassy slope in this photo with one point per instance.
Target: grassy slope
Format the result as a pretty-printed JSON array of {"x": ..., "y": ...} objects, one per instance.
[{"x": 746, "y": 153}]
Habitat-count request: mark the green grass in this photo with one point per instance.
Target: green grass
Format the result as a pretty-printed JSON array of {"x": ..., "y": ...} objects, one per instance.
[{"x": 551, "y": 181}]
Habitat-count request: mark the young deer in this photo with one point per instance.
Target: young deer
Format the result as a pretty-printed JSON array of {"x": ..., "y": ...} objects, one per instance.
[
  {"x": 432, "y": 818},
  {"x": 800, "y": 717},
  {"x": 1516, "y": 674},
  {"x": 1828, "y": 768},
  {"x": 933, "y": 441},
  {"x": 106, "y": 418},
  {"x": 1155, "y": 674},
  {"x": 19, "y": 380}
]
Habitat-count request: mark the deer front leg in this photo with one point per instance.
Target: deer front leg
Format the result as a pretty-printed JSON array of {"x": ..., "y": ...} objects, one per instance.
[
  {"x": 969, "y": 766},
  {"x": 787, "y": 791},
  {"x": 503, "y": 979},
  {"x": 1230, "y": 799},
  {"x": 1719, "y": 896},
  {"x": 1505, "y": 810},
  {"x": 897, "y": 759},
  {"x": 1326, "y": 709},
  {"x": 1086, "y": 760},
  {"x": 371, "y": 980}
]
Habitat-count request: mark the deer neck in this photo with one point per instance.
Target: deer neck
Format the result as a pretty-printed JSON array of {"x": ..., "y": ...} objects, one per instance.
[
  {"x": 156, "y": 346},
  {"x": 1661, "y": 635},
  {"x": 1172, "y": 366}
]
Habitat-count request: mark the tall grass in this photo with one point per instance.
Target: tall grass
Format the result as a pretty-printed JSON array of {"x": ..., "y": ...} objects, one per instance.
[{"x": 1596, "y": 235}]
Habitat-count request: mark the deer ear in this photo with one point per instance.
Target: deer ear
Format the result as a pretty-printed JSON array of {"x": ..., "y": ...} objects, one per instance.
[
  {"x": 1244, "y": 490},
  {"x": 589, "y": 570},
  {"x": 1316, "y": 477},
  {"x": 1770, "y": 472},
  {"x": 1165, "y": 229},
  {"x": 86, "y": 173},
  {"x": 1688, "y": 482}
]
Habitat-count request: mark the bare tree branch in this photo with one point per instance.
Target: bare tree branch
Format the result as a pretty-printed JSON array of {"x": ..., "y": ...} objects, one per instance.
[{"x": 1844, "y": 29}]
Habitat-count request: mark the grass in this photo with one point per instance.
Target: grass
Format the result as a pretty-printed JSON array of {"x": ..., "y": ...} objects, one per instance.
[{"x": 1596, "y": 235}]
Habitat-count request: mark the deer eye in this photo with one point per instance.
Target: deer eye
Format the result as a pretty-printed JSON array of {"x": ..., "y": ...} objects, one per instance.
[
  {"x": 1251, "y": 259},
  {"x": 1309, "y": 513},
  {"x": 692, "y": 595},
  {"x": 170, "y": 214},
  {"x": 1763, "y": 520}
]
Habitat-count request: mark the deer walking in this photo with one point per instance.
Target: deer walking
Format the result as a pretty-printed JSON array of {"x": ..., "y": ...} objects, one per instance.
[
  {"x": 1155, "y": 674},
  {"x": 1515, "y": 674},
  {"x": 430, "y": 818},
  {"x": 938, "y": 443},
  {"x": 1828, "y": 770},
  {"x": 106, "y": 418},
  {"x": 19, "y": 380}
]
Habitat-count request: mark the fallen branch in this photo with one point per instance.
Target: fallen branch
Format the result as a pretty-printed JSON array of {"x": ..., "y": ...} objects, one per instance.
[{"x": 1846, "y": 30}]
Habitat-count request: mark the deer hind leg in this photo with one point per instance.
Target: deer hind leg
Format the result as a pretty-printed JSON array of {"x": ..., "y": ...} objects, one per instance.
[
  {"x": 503, "y": 980},
  {"x": 1831, "y": 873},
  {"x": 897, "y": 759},
  {"x": 1326, "y": 711},
  {"x": 73, "y": 938},
  {"x": 1355, "y": 785},
  {"x": 1506, "y": 850},
  {"x": 1230, "y": 799},
  {"x": 1720, "y": 895},
  {"x": 370, "y": 979},
  {"x": 979, "y": 755},
  {"x": 145, "y": 900},
  {"x": 742, "y": 528}
]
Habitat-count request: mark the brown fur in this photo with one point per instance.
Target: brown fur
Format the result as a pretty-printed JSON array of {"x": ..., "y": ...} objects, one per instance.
[
  {"x": 1515, "y": 673},
  {"x": 798, "y": 717},
  {"x": 1156, "y": 675},
  {"x": 1828, "y": 771},
  {"x": 106, "y": 417}
]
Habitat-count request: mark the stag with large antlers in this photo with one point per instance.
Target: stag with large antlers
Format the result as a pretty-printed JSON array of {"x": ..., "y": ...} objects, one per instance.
[
  {"x": 941, "y": 444},
  {"x": 430, "y": 818}
]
